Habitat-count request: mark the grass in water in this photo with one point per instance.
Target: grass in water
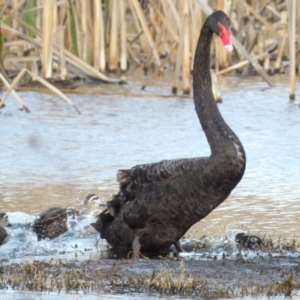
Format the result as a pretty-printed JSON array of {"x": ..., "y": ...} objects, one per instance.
[{"x": 172, "y": 279}]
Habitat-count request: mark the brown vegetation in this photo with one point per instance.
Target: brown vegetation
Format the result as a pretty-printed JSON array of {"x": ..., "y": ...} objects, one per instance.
[
  {"x": 165, "y": 277},
  {"x": 60, "y": 39}
]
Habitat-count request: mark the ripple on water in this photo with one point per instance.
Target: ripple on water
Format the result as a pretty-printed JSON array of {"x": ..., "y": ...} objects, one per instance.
[{"x": 65, "y": 156}]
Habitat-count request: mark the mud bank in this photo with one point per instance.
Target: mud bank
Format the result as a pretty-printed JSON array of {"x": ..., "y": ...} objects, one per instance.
[{"x": 261, "y": 275}]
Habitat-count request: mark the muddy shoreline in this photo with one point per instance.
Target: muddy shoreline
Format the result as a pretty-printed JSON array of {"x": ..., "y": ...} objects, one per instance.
[
  {"x": 264, "y": 274},
  {"x": 241, "y": 271},
  {"x": 264, "y": 204}
]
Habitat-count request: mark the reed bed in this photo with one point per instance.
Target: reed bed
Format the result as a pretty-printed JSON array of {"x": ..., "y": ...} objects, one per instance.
[
  {"x": 58, "y": 276},
  {"x": 105, "y": 39}
]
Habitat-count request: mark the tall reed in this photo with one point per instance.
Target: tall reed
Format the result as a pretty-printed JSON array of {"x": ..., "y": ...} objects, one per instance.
[{"x": 112, "y": 35}]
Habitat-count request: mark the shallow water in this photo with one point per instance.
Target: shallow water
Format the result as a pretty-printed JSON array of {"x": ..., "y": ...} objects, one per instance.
[
  {"x": 45, "y": 296},
  {"x": 54, "y": 156}
]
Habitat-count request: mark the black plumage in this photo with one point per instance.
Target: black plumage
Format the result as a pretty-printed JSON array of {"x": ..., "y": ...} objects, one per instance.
[{"x": 158, "y": 202}]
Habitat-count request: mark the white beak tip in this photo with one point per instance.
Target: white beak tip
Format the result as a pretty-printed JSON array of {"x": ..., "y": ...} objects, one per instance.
[{"x": 229, "y": 48}]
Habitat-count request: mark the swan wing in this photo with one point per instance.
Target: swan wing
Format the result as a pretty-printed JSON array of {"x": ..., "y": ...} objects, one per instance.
[
  {"x": 137, "y": 180},
  {"x": 147, "y": 173},
  {"x": 147, "y": 188}
]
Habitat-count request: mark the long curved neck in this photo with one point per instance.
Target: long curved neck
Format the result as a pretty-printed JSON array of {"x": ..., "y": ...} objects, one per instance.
[{"x": 214, "y": 126}]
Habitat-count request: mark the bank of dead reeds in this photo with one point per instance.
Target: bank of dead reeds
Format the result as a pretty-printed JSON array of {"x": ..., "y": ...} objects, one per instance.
[{"x": 95, "y": 38}]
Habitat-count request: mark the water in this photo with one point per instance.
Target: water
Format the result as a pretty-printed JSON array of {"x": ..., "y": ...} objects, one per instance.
[
  {"x": 55, "y": 157},
  {"x": 45, "y": 296},
  {"x": 78, "y": 241}
]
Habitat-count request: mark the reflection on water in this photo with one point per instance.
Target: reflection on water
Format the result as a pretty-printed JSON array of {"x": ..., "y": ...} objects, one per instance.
[{"x": 55, "y": 157}]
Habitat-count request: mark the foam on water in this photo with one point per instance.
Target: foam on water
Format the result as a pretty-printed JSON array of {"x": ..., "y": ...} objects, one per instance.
[
  {"x": 81, "y": 240},
  {"x": 22, "y": 241}
]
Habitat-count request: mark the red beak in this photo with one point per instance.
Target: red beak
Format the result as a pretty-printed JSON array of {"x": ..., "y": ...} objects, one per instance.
[{"x": 225, "y": 37}]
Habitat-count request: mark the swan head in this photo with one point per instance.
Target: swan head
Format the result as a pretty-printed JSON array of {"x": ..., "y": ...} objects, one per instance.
[
  {"x": 3, "y": 219},
  {"x": 221, "y": 26}
]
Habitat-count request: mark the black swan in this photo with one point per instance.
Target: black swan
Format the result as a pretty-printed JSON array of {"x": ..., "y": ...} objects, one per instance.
[
  {"x": 158, "y": 202},
  {"x": 3, "y": 223},
  {"x": 53, "y": 221}
]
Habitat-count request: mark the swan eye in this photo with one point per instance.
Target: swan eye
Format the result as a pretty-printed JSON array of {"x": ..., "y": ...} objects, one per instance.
[{"x": 225, "y": 37}]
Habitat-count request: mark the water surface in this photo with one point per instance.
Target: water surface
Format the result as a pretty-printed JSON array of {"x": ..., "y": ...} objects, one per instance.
[{"x": 53, "y": 156}]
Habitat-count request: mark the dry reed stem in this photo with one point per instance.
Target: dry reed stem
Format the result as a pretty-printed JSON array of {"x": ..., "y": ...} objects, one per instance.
[
  {"x": 153, "y": 21},
  {"x": 123, "y": 42},
  {"x": 291, "y": 4},
  {"x": 85, "y": 91},
  {"x": 42, "y": 81},
  {"x": 241, "y": 64},
  {"x": 113, "y": 37},
  {"x": 186, "y": 65},
  {"x": 55, "y": 20},
  {"x": 152, "y": 34},
  {"x": 273, "y": 32},
  {"x": 146, "y": 30},
  {"x": 62, "y": 69},
  {"x": 10, "y": 87},
  {"x": 80, "y": 64},
  {"x": 84, "y": 30},
  {"x": 178, "y": 64},
  {"x": 132, "y": 55},
  {"x": 47, "y": 39},
  {"x": 196, "y": 23},
  {"x": 283, "y": 33},
  {"x": 149, "y": 61},
  {"x": 175, "y": 14},
  {"x": 166, "y": 25},
  {"x": 39, "y": 15},
  {"x": 4, "y": 8},
  {"x": 69, "y": 57},
  {"x": 99, "y": 61},
  {"x": 140, "y": 34}
]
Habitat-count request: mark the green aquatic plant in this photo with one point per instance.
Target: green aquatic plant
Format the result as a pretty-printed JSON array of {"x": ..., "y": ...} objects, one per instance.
[
  {"x": 4, "y": 20},
  {"x": 29, "y": 11},
  {"x": 73, "y": 28}
]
